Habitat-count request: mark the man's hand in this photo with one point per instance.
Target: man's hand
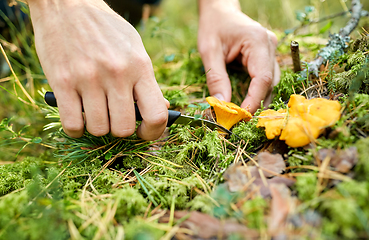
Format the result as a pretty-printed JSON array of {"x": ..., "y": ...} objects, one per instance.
[
  {"x": 226, "y": 34},
  {"x": 94, "y": 58}
]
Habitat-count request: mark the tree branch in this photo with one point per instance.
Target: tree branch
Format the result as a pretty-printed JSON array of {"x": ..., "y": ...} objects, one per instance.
[{"x": 337, "y": 42}]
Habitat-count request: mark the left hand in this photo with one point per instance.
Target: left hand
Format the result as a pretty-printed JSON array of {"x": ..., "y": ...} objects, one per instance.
[{"x": 225, "y": 33}]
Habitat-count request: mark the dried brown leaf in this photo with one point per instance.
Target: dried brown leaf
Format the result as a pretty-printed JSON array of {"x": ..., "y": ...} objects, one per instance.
[
  {"x": 342, "y": 160},
  {"x": 204, "y": 226},
  {"x": 272, "y": 162},
  {"x": 242, "y": 178},
  {"x": 282, "y": 205}
]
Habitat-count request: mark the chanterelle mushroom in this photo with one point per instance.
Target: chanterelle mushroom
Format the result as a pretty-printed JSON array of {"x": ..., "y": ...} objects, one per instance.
[
  {"x": 306, "y": 119},
  {"x": 273, "y": 121},
  {"x": 227, "y": 113}
]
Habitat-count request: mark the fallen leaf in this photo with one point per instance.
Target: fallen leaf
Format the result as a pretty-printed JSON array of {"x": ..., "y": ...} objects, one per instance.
[
  {"x": 272, "y": 162},
  {"x": 242, "y": 178},
  {"x": 342, "y": 160},
  {"x": 265, "y": 190},
  {"x": 204, "y": 226},
  {"x": 282, "y": 205}
]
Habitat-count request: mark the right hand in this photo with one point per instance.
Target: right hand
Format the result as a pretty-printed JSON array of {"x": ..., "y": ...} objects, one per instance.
[{"x": 94, "y": 58}]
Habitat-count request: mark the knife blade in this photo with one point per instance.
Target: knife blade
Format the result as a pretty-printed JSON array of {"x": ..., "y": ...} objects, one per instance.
[{"x": 174, "y": 117}]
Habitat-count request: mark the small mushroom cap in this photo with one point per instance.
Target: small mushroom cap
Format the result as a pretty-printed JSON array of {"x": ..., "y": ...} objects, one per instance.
[{"x": 228, "y": 113}]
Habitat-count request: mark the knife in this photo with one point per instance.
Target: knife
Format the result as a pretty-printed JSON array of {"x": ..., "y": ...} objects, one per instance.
[{"x": 174, "y": 117}]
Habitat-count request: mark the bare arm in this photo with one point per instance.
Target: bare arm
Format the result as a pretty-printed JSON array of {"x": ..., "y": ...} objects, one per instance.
[{"x": 94, "y": 58}]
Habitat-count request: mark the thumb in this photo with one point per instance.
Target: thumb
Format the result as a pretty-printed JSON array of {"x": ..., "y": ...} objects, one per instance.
[{"x": 216, "y": 74}]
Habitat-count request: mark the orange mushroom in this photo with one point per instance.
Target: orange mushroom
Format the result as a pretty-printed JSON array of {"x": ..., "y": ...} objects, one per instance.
[
  {"x": 273, "y": 121},
  {"x": 227, "y": 113},
  {"x": 305, "y": 121}
]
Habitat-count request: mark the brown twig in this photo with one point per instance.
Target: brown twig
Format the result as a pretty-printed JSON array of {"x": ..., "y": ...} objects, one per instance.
[{"x": 295, "y": 54}]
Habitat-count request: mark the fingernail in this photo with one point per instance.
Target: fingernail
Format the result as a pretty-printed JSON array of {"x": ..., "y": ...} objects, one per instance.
[{"x": 219, "y": 96}]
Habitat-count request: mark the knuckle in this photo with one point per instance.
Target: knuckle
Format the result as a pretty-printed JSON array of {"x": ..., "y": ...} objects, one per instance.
[
  {"x": 159, "y": 119},
  {"x": 98, "y": 130},
  {"x": 273, "y": 38},
  {"x": 73, "y": 128},
  {"x": 123, "y": 132},
  {"x": 91, "y": 74},
  {"x": 86, "y": 73},
  {"x": 261, "y": 33},
  {"x": 206, "y": 47},
  {"x": 142, "y": 60},
  {"x": 267, "y": 78},
  {"x": 116, "y": 69},
  {"x": 63, "y": 78},
  {"x": 213, "y": 78}
]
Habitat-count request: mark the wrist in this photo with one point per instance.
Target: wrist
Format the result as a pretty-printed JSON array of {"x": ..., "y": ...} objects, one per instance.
[
  {"x": 224, "y": 5},
  {"x": 40, "y": 9}
]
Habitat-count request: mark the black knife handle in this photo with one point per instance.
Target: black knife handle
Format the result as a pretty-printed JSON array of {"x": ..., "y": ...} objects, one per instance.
[{"x": 172, "y": 115}]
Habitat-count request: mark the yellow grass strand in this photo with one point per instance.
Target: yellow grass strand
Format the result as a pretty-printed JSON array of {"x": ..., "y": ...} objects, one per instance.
[
  {"x": 155, "y": 163},
  {"x": 162, "y": 159},
  {"x": 17, "y": 80}
]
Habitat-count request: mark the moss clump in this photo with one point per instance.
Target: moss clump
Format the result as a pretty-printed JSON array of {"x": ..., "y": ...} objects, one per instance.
[
  {"x": 176, "y": 98},
  {"x": 306, "y": 186},
  {"x": 362, "y": 168},
  {"x": 355, "y": 63},
  {"x": 250, "y": 133},
  {"x": 346, "y": 209},
  {"x": 131, "y": 203},
  {"x": 254, "y": 211},
  {"x": 288, "y": 85}
]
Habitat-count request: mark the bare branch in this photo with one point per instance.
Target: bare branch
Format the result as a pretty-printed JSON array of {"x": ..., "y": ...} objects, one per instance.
[{"x": 337, "y": 42}]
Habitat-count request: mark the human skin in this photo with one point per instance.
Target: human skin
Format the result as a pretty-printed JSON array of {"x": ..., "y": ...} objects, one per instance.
[
  {"x": 227, "y": 34},
  {"x": 94, "y": 58}
]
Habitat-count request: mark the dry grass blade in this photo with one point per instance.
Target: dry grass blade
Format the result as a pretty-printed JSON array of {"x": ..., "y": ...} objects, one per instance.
[
  {"x": 162, "y": 159},
  {"x": 326, "y": 174},
  {"x": 75, "y": 235},
  {"x": 33, "y": 103},
  {"x": 155, "y": 163}
]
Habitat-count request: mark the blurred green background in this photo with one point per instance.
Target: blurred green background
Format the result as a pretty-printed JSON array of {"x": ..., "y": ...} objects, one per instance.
[{"x": 175, "y": 24}]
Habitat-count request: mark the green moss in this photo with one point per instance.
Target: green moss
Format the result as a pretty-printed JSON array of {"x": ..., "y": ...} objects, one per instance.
[
  {"x": 250, "y": 133},
  {"x": 176, "y": 98},
  {"x": 348, "y": 211},
  {"x": 201, "y": 203},
  {"x": 138, "y": 229},
  {"x": 131, "y": 203},
  {"x": 306, "y": 186},
  {"x": 254, "y": 211},
  {"x": 288, "y": 85},
  {"x": 297, "y": 157},
  {"x": 362, "y": 167}
]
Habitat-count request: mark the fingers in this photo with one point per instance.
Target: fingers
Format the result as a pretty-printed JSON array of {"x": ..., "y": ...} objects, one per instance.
[
  {"x": 96, "y": 112},
  {"x": 153, "y": 109},
  {"x": 70, "y": 110},
  {"x": 260, "y": 61},
  {"x": 121, "y": 112},
  {"x": 276, "y": 78},
  {"x": 216, "y": 74}
]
